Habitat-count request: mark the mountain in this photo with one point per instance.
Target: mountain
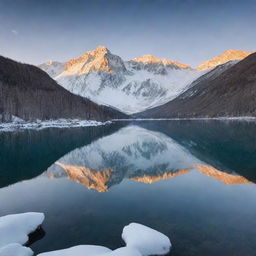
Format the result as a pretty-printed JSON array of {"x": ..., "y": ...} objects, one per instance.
[
  {"x": 29, "y": 93},
  {"x": 131, "y": 86},
  {"x": 149, "y": 59},
  {"x": 232, "y": 93},
  {"x": 225, "y": 57}
]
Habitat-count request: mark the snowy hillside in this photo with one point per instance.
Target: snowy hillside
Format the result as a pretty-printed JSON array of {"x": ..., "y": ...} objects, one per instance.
[{"x": 130, "y": 86}]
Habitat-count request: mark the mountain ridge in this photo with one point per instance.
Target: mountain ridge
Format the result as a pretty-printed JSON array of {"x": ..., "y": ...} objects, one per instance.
[
  {"x": 228, "y": 55},
  {"x": 231, "y": 94},
  {"x": 130, "y": 86},
  {"x": 147, "y": 59}
]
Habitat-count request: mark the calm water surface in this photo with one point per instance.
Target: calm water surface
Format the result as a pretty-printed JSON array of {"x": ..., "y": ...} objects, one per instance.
[{"x": 192, "y": 180}]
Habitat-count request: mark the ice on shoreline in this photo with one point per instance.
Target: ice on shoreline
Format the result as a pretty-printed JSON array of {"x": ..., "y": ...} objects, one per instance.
[
  {"x": 60, "y": 123},
  {"x": 15, "y": 228},
  {"x": 146, "y": 240}
]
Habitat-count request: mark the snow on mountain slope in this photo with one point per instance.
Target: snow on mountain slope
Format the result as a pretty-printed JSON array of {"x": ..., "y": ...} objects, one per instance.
[
  {"x": 130, "y": 86},
  {"x": 53, "y": 68}
]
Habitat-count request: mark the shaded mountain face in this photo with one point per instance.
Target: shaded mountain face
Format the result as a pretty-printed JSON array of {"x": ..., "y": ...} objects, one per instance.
[
  {"x": 131, "y": 86},
  {"x": 231, "y": 93},
  {"x": 133, "y": 153},
  {"x": 29, "y": 93},
  {"x": 229, "y": 55}
]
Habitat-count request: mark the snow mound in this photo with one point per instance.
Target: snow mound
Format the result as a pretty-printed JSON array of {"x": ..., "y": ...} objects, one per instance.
[
  {"x": 146, "y": 240},
  {"x": 15, "y": 250},
  {"x": 80, "y": 250},
  {"x": 124, "y": 251},
  {"x": 15, "y": 228}
]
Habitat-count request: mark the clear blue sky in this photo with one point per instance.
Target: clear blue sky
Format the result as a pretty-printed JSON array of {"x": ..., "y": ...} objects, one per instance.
[{"x": 189, "y": 31}]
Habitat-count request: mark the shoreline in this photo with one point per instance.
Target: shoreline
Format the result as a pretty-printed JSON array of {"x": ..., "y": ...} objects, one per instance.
[
  {"x": 74, "y": 123},
  {"x": 59, "y": 123},
  {"x": 243, "y": 118}
]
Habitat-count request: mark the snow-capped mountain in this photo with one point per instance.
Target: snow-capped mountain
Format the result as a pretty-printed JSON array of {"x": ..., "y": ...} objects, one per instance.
[
  {"x": 229, "y": 55},
  {"x": 131, "y": 86},
  {"x": 229, "y": 90}
]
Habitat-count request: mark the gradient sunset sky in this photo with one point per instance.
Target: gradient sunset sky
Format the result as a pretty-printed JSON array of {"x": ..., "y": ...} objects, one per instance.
[{"x": 189, "y": 31}]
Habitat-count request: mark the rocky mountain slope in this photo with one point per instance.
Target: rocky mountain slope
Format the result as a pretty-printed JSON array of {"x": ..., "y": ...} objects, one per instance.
[
  {"x": 29, "y": 93},
  {"x": 131, "y": 86},
  {"x": 231, "y": 93},
  {"x": 229, "y": 55}
]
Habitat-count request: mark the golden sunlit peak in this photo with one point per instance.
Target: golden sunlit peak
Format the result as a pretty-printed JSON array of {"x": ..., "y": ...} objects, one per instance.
[
  {"x": 225, "y": 57},
  {"x": 95, "y": 60},
  {"x": 148, "y": 59},
  {"x": 101, "y": 48}
]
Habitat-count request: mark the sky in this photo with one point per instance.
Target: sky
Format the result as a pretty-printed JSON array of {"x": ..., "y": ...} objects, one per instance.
[{"x": 189, "y": 31}]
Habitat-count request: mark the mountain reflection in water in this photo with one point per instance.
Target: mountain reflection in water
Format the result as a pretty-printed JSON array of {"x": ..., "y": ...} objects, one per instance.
[
  {"x": 174, "y": 176},
  {"x": 133, "y": 153}
]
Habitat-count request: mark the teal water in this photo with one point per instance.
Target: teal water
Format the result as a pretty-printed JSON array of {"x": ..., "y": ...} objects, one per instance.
[{"x": 192, "y": 180}]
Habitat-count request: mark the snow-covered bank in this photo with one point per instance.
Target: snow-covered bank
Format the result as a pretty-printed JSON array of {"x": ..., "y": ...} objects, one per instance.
[
  {"x": 80, "y": 250},
  {"x": 15, "y": 228},
  {"x": 140, "y": 240},
  {"x": 15, "y": 249},
  {"x": 60, "y": 123}
]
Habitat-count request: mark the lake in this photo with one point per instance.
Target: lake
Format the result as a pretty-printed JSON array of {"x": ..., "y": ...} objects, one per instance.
[{"x": 192, "y": 180}]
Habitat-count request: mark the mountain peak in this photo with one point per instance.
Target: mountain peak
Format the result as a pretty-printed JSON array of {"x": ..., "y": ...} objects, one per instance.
[
  {"x": 100, "y": 59},
  {"x": 149, "y": 59},
  {"x": 102, "y": 49},
  {"x": 225, "y": 57}
]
